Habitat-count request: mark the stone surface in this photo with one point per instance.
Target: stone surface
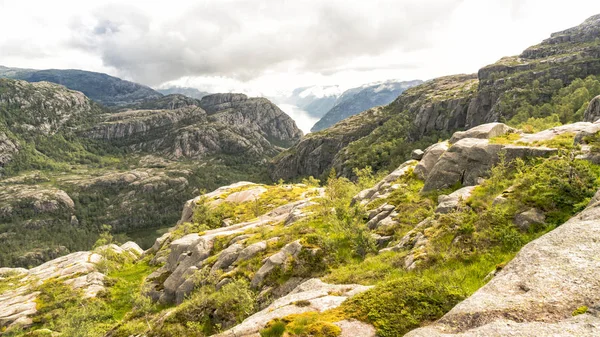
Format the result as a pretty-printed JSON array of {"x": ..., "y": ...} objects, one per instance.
[
  {"x": 430, "y": 157},
  {"x": 471, "y": 159},
  {"x": 314, "y": 291},
  {"x": 538, "y": 290},
  {"x": 483, "y": 131},
  {"x": 450, "y": 202},
  {"x": 592, "y": 113},
  {"x": 417, "y": 154},
  {"x": 532, "y": 216},
  {"x": 383, "y": 187},
  {"x": 354, "y": 328},
  {"x": 276, "y": 260}
]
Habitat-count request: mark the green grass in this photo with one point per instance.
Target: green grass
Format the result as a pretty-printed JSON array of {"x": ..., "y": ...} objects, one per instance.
[{"x": 128, "y": 283}]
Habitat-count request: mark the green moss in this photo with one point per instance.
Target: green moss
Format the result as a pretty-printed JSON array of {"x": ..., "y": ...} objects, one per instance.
[{"x": 581, "y": 310}]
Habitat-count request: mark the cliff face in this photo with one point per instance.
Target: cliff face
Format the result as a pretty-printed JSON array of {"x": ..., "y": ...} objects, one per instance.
[
  {"x": 218, "y": 124},
  {"x": 451, "y": 103}
]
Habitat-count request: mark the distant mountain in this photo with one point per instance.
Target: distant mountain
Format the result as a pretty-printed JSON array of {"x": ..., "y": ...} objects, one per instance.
[
  {"x": 102, "y": 88},
  {"x": 315, "y": 100},
  {"x": 187, "y": 91},
  {"x": 359, "y": 99}
]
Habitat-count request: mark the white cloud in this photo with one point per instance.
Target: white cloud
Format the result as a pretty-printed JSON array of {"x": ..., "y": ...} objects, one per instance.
[{"x": 263, "y": 47}]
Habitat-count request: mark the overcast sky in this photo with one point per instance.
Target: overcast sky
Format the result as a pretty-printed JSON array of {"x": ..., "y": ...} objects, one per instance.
[{"x": 268, "y": 46}]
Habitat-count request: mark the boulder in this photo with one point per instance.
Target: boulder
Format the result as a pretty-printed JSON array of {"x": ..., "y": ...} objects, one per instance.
[
  {"x": 251, "y": 251},
  {"x": 277, "y": 260},
  {"x": 592, "y": 113},
  {"x": 483, "y": 131},
  {"x": 384, "y": 186},
  {"x": 431, "y": 156},
  {"x": 247, "y": 195},
  {"x": 320, "y": 296},
  {"x": 227, "y": 257},
  {"x": 537, "y": 292},
  {"x": 471, "y": 159},
  {"x": 417, "y": 154},
  {"x": 450, "y": 202},
  {"x": 532, "y": 216}
]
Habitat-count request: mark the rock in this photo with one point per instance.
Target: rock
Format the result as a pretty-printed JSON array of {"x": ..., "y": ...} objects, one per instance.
[
  {"x": 251, "y": 251},
  {"x": 530, "y": 217},
  {"x": 471, "y": 159},
  {"x": 276, "y": 261},
  {"x": 246, "y": 195},
  {"x": 384, "y": 186},
  {"x": 381, "y": 241},
  {"x": 227, "y": 257},
  {"x": 430, "y": 157},
  {"x": 536, "y": 293},
  {"x": 378, "y": 214},
  {"x": 190, "y": 205},
  {"x": 158, "y": 243},
  {"x": 579, "y": 128},
  {"x": 592, "y": 113},
  {"x": 354, "y": 328},
  {"x": 313, "y": 291},
  {"x": 132, "y": 247},
  {"x": 417, "y": 154},
  {"x": 484, "y": 131},
  {"x": 448, "y": 203}
]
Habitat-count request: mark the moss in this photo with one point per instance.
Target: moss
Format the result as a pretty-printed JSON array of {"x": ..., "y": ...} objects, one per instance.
[{"x": 579, "y": 311}]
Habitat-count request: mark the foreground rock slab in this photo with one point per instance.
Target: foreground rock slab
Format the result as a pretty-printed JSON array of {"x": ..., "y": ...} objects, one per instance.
[{"x": 537, "y": 293}]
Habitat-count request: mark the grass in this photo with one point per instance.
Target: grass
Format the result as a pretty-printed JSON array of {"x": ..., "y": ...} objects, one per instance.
[{"x": 128, "y": 283}]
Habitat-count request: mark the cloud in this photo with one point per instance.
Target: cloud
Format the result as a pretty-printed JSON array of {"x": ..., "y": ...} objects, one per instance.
[{"x": 245, "y": 39}]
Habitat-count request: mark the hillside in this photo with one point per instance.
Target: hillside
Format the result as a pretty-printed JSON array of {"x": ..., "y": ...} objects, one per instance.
[
  {"x": 490, "y": 232},
  {"x": 359, "y": 99},
  {"x": 548, "y": 84},
  {"x": 102, "y": 88},
  {"x": 69, "y": 166}
]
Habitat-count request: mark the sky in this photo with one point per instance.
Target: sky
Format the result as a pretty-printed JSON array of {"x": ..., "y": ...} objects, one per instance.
[{"x": 273, "y": 46}]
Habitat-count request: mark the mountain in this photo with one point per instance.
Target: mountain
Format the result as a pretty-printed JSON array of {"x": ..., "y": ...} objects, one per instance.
[
  {"x": 359, "y": 99},
  {"x": 102, "y": 88},
  {"x": 69, "y": 166},
  {"x": 189, "y": 92},
  {"x": 547, "y": 84}
]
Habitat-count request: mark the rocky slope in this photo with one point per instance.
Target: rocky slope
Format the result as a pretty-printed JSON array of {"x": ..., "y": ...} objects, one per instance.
[
  {"x": 495, "y": 249},
  {"x": 102, "y": 88},
  {"x": 508, "y": 90},
  {"x": 359, "y": 99}
]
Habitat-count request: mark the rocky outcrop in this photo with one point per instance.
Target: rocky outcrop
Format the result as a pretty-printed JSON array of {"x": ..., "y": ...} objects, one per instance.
[
  {"x": 187, "y": 255},
  {"x": 471, "y": 159},
  {"x": 452, "y": 201},
  {"x": 430, "y": 157},
  {"x": 317, "y": 295},
  {"x": 77, "y": 270},
  {"x": 484, "y": 131},
  {"x": 8, "y": 148},
  {"x": 592, "y": 113},
  {"x": 383, "y": 187},
  {"x": 537, "y": 292}
]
